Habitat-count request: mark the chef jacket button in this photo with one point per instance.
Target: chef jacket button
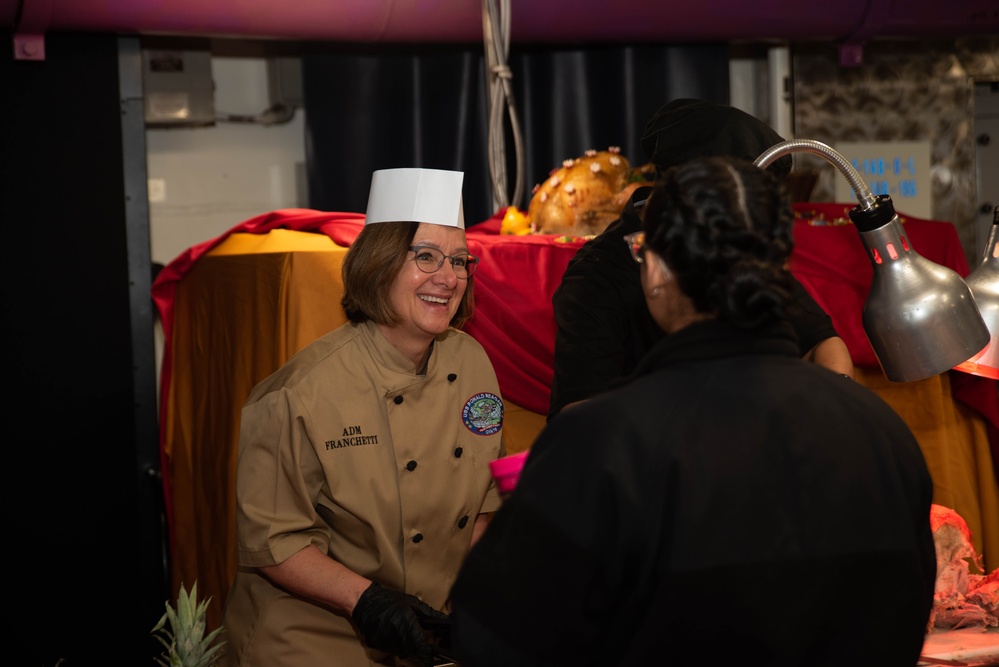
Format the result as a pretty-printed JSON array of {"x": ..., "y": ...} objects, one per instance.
[
  {"x": 457, "y": 452},
  {"x": 411, "y": 466},
  {"x": 451, "y": 377},
  {"x": 397, "y": 399},
  {"x": 463, "y": 522},
  {"x": 418, "y": 538}
]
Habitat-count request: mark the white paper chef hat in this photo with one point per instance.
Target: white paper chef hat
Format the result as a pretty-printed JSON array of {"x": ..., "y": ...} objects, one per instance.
[{"x": 416, "y": 195}]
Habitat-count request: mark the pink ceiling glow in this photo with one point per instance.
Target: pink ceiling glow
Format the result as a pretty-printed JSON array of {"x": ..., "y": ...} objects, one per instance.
[{"x": 532, "y": 21}]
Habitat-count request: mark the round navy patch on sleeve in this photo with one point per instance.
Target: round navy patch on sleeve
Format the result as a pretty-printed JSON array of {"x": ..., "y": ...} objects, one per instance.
[{"x": 483, "y": 414}]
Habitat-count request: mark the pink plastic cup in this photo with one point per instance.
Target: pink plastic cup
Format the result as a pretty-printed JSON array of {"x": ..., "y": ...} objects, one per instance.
[{"x": 506, "y": 471}]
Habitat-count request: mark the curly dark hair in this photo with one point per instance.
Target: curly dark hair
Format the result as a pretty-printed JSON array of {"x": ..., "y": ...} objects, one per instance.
[
  {"x": 723, "y": 226},
  {"x": 370, "y": 267}
]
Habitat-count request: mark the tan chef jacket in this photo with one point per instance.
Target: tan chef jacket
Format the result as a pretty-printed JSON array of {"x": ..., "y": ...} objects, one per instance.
[{"x": 346, "y": 448}]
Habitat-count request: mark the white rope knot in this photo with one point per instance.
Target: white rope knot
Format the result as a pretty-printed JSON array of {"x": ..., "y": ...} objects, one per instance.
[{"x": 502, "y": 71}]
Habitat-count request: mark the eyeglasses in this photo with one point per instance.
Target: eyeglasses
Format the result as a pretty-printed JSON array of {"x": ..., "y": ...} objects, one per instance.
[
  {"x": 636, "y": 244},
  {"x": 430, "y": 260}
]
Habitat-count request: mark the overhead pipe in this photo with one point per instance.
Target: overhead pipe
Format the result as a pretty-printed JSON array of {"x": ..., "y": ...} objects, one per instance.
[{"x": 552, "y": 21}]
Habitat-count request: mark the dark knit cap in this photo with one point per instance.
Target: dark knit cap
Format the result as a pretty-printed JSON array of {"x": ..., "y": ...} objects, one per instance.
[{"x": 687, "y": 128}]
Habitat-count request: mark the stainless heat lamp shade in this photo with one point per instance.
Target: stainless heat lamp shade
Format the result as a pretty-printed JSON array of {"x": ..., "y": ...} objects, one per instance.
[
  {"x": 920, "y": 317},
  {"x": 984, "y": 284}
]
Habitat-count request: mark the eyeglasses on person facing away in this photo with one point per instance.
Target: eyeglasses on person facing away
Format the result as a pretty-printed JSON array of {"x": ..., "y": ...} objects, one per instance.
[{"x": 636, "y": 244}]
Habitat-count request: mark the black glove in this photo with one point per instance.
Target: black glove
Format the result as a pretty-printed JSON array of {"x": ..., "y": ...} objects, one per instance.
[{"x": 390, "y": 621}]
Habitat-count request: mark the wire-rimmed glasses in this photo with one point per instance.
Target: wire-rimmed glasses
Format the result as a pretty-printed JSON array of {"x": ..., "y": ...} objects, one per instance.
[
  {"x": 636, "y": 244},
  {"x": 430, "y": 260}
]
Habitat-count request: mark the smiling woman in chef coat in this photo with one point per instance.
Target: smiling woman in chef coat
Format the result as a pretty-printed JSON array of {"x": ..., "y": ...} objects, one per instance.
[{"x": 363, "y": 474}]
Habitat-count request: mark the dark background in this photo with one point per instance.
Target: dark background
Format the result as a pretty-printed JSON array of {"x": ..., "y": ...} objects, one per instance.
[
  {"x": 427, "y": 107},
  {"x": 86, "y": 582}
]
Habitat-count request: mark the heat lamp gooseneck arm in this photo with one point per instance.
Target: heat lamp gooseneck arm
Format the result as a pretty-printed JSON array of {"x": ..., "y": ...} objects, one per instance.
[{"x": 867, "y": 200}]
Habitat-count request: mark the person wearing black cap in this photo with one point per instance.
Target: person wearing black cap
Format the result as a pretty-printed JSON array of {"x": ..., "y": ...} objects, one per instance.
[
  {"x": 603, "y": 326},
  {"x": 730, "y": 503}
]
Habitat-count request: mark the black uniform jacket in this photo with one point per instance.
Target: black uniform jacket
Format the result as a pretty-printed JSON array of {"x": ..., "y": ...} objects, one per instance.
[
  {"x": 730, "y": 504},
  {"x": 603, "y": 327}
]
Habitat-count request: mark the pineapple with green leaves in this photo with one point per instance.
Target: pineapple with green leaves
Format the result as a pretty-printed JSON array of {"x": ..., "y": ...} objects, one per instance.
[{"x": 185, "y": 639}]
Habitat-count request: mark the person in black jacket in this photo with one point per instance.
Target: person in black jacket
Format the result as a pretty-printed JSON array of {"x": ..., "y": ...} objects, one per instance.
[
  {"x": 603, "y": 327},
  {"x": 729, "y": 502}
]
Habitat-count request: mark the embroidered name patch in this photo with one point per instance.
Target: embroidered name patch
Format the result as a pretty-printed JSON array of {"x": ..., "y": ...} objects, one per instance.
[{"x": 483, "y": 414}]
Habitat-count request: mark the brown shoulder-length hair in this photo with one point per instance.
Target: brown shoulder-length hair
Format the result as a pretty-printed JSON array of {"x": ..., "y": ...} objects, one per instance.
[{"x": 372, "y": 264}]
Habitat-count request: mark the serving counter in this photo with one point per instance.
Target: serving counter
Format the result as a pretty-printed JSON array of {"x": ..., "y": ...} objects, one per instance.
[
  {"x": 967, "y": 647},
  {"x": 235, "y": 308}
]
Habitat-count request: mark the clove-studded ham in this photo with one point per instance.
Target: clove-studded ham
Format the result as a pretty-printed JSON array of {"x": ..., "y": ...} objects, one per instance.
[{"x": 584, "y": 195}]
